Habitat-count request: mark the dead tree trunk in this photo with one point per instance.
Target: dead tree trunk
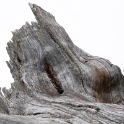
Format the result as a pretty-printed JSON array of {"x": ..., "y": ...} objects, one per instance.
[{"x": 56, "y": 82}]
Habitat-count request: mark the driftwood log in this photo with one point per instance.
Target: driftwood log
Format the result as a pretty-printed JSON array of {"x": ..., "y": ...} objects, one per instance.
[{"x": 55, "y": 82}]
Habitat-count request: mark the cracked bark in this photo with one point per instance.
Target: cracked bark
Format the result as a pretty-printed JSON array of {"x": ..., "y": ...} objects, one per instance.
[{"x": 57, "y": 82}]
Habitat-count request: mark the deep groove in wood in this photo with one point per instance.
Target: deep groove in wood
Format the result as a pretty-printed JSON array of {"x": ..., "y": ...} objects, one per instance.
[{"x": 53, "y": 77}]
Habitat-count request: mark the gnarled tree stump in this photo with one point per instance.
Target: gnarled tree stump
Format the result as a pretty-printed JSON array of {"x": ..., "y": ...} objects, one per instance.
[{"x": 55, "y": 82}]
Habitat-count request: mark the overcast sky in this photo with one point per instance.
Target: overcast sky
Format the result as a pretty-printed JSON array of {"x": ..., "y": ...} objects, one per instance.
[{"x": 96, "y": 26}]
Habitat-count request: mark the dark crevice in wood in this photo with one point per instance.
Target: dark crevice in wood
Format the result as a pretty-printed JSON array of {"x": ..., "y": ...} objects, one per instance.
[
  {"x": 38, "y": 113},
  {"x": 53, "y": 77},
  {"x": 19, "y": 60}
]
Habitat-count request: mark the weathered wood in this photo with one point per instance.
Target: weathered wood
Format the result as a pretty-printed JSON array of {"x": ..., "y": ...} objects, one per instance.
[{"x": 57, "y": 82}]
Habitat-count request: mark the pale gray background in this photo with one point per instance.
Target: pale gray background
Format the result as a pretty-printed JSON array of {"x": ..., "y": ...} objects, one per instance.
[{"x": 96, "y": 26}]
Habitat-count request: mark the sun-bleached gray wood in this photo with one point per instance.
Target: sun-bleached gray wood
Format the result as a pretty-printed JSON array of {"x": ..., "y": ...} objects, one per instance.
[{"x": 55, "y": 82}]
